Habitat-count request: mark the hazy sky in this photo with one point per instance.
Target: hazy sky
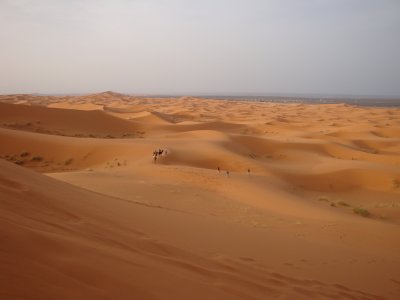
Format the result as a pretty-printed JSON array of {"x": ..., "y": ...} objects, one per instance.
[{"x": 202, "y": 46}]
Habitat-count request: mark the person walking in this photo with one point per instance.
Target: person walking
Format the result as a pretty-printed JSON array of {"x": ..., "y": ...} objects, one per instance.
[{"x": 155, "y": 156}]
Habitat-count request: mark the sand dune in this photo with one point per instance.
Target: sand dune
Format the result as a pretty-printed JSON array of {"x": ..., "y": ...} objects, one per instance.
[
  {"x": 65, "y": 121},
  {"x": 318, "y": 215},
  {"x": 76, "y": 106},
  {"x": 125, "y": 109},
  {"x": 370, "y": 179},
  {"x": 152, "y": 118},
  {"x": 71, "y": 243}
]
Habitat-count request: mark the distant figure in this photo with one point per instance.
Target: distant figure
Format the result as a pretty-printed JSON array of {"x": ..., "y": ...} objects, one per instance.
[
  {"x": 227, "y": 173},
  {"x": 160, "y": 151},
  {"x": 219, "y": 170},
  {"x": 248, "y": 172},
  {"x": 155, "y": 156}
]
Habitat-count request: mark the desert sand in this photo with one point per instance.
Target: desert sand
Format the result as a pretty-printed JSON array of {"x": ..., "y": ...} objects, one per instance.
[{"x": 86, "y": 213}]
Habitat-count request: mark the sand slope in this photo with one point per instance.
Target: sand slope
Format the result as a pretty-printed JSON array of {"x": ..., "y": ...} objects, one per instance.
[
  {"x": 69, "y": 122},
  {"x": 68, "y": 243}
]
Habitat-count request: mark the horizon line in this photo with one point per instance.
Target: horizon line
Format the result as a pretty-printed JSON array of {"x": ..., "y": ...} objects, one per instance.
[{"x": 221, "y": 94}]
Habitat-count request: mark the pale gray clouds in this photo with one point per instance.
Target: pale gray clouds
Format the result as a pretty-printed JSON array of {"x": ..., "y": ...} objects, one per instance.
[{"x": 220, "y": 46}]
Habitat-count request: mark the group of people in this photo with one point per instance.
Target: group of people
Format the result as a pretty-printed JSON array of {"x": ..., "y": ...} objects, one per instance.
[
  {"x": 227, "y": 172},
  {"x": 164, "y": 152},
  {"x": 158, "y": 153}
]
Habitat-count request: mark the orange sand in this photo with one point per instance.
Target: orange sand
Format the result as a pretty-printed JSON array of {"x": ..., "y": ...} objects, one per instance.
[{"x": 104, "y": 222}]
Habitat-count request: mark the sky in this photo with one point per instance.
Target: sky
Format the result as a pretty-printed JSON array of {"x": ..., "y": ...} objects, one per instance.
[{"x": 230, "y": 47}]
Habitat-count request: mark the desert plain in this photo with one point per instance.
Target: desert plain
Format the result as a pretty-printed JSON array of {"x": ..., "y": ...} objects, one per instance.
[{"x": 310, "y": 208}]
